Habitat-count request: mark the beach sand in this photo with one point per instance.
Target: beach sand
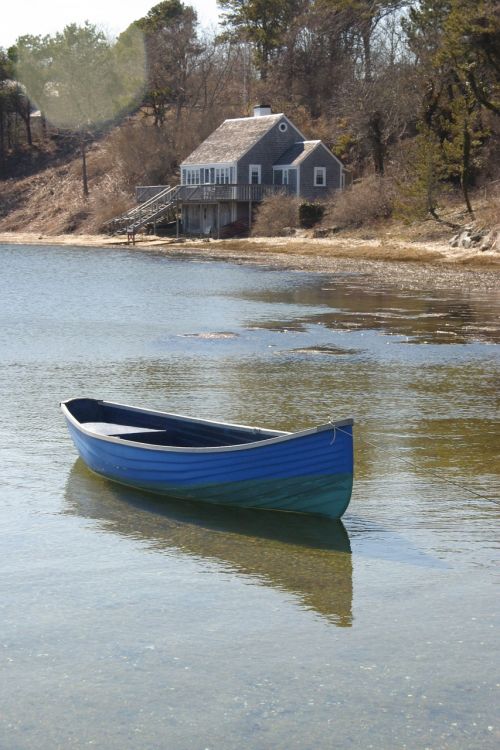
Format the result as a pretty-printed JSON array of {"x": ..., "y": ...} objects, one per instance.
[{"x": 300, "y": 253}]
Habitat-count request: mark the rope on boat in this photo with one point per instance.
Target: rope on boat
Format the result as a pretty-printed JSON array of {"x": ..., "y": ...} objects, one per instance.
[{"x": 433, "y": 473}]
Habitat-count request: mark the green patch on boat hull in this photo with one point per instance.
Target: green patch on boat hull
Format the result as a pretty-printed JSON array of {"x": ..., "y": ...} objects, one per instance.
[{"x": 325, "y": 495}]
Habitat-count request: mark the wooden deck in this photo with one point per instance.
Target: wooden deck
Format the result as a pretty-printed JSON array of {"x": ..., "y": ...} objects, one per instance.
[{"x": 218, "y": 193}]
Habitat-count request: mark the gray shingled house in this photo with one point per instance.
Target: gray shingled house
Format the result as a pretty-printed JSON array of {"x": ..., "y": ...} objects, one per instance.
[{"x": 244, "y": 160}]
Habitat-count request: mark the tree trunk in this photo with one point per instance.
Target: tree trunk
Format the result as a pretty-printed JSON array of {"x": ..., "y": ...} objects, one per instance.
[
  {"x": 10, "y": 124},
  {"x": 465, "y": 171},
  {"x": 2, "y": 143},
  {"x": 376, "y": 142},
  {"x": 264, "y": 64},
  {"x": 367, "y": 51},
  {"x": 27, "y": 124},
  {"x": 84, "y": 169}
]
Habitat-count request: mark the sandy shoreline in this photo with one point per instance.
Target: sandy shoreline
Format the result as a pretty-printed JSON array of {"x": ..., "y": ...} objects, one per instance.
[{"x": 300, "y": 253}]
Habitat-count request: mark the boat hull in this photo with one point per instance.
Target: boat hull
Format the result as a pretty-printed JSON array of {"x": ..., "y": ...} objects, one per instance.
[{"x": 310, "y": 472}]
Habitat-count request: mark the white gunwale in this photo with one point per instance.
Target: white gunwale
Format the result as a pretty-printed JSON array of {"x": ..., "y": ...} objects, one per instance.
[{"x": 277, "y": 438}]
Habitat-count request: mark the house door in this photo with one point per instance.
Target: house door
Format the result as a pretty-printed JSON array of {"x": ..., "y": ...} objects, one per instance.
[
  {"x": 208, "y": 219},
  {"x": 286, "y": 176},
  {"x": 292, "y": 180}
]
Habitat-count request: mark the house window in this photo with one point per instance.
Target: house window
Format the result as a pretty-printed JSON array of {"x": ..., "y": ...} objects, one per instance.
[
  {"x": 283, "y": 127},
  {"x": 222, "y": 175},
  {"x": 207, "y": 175},
  {"x": 254, "y": 175},
  {"x": 319, "y": 176}
]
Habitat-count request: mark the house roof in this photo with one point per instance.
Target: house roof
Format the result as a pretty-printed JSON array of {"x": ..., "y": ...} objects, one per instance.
[
  {"x": 297, "y": 153},
  {"x": 231, "y": 140}
]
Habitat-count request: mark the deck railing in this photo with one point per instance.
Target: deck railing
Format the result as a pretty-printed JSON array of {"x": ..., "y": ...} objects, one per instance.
[{"x": 215, "y": 193}]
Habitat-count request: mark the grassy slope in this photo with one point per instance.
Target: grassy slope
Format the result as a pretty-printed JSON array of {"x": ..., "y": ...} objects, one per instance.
[{"x": 50, "y": 201}]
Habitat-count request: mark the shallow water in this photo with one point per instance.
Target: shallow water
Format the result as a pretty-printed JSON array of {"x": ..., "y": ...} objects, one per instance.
[{"x": 132, "y": 622}]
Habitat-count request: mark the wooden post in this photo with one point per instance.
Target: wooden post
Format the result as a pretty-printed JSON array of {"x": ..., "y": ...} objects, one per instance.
[
  {"x": 177, "y": 219},
  {"x": 249, "y": 216},
  {"x": 218, "y": 221}
]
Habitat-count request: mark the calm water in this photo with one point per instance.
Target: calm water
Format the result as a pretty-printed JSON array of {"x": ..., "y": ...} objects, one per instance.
[{"x": 127, "y": 622}]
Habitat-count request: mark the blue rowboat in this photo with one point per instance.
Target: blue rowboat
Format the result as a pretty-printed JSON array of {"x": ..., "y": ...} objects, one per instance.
[{"x": 310, "y": 471}]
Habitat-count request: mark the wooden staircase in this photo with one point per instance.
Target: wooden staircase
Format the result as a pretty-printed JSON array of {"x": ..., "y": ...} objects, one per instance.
[{"x": 161, "y": 207}]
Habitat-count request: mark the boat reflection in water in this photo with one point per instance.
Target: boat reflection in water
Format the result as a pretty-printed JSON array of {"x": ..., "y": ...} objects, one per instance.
[{"x": 306, "y": 556}]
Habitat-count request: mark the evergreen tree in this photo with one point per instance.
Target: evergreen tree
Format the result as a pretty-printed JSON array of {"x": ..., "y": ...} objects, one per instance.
[
  {"x": 456, "y": 43},
  {"x": 264, "y": 23},
  {"x": 172, "y": 49}
]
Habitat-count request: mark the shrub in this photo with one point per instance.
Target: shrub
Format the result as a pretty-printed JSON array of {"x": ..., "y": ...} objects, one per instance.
[
  {"x": 310, "y": 214},
  {"x": 366, "y": 201},
  {"x": 139, "y": 154},
  {"x": 274, "y": 214}
]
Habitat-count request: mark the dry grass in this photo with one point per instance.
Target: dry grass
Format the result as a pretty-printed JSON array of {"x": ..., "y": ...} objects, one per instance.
[
  {"x": 52, "y": 202},
  {"x": 487, "y": 208}
]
